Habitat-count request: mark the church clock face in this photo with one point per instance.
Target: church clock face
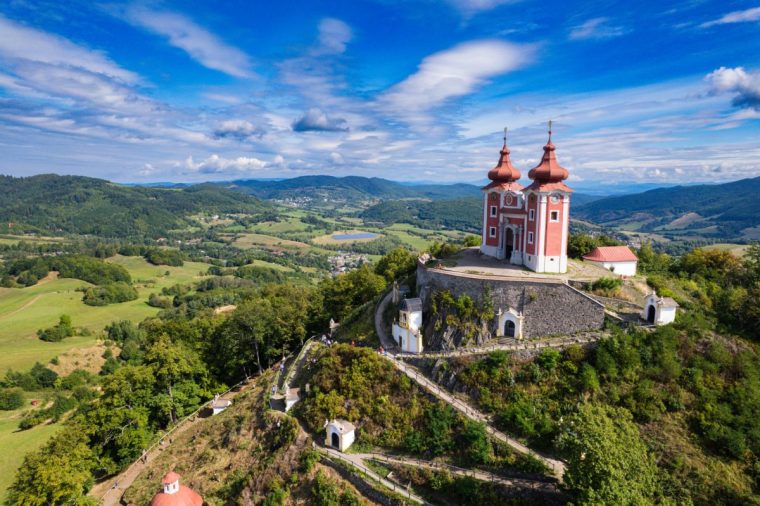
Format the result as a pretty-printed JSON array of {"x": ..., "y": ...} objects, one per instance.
[{"x": 555, "y": 198}]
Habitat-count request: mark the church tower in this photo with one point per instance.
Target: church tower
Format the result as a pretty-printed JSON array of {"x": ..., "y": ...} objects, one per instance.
[
  {"x": 548, "y": 209},
  {"x": 527, "y": 226}
]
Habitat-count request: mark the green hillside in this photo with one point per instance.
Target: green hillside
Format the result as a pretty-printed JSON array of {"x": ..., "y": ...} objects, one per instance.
[
  {"x": 350, "y": 187},
  {"x": 728, "y": 211},
  {"x": 83, "y": 205}
]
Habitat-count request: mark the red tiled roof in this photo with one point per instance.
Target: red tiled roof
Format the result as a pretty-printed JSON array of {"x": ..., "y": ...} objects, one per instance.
[
  {"x": 611, "y": 254},
  {"x": 543, "y": 186},
  {"x": 183, "y": 497}
]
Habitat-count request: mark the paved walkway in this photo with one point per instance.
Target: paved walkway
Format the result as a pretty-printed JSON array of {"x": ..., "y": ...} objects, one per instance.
[
  {"x": 386, "y": 340},
  {"x": 355, "y": 461},
  {"x": 509, "y": 345},
  {"x": 523, "y": 483},
  {"x": 557, "y": 467}
]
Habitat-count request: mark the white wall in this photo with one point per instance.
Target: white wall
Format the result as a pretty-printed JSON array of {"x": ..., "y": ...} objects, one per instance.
[
  {"x": 345, "y": 440},
  {"x": 620, "y": 268}
]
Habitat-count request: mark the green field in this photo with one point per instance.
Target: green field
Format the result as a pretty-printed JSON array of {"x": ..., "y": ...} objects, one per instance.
[
  {"x": 24, "y": 310},
  {"x": 14, "y": 444},
  {"x": 736, "y": 249}
]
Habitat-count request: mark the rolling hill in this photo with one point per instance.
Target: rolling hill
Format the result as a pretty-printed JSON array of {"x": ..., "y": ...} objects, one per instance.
[
  {"x": 720, "y": 211},
  {"x": 82, "y": 205},
  {"x": 349, "y": 188}
]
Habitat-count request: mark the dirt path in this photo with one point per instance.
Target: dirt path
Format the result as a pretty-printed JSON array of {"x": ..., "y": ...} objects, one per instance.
[
  {"x": 557, "y": 467},
  {"x": 110, "y": 491},
  {"x": 25, "y": 306}
]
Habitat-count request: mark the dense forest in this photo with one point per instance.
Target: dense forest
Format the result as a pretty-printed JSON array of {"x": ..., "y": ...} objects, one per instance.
[{"x": 80, "y": 205}]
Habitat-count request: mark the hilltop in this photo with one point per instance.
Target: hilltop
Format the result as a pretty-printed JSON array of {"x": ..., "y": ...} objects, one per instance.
[{"x": 82, "y": 205}]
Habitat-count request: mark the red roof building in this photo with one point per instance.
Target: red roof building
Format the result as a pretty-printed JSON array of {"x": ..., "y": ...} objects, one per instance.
[
  {"x": 527, "y": 226},
  {"x": 611, "y": 254},
  {"x": 175, "y": 494},
  {"x": 618, "y": 259}
]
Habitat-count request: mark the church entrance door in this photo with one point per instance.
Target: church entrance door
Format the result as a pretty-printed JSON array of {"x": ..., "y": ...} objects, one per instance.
[
  {"x": 650, "y": 314},
  {"x": 509, "y": 243},
  {"x": 335, "y": 440},
  {"x": 509, "y": 328}
]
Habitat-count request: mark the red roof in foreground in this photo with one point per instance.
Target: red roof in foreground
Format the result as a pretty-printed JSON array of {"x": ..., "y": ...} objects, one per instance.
[
  {"x": 183, "y": 497},
  {"x": 611, "y": 254}
]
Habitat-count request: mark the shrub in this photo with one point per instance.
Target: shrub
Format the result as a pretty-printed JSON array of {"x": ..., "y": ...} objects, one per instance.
[
  {"x": 11, "y": 398},
  {"x": 109, "y": 294}
]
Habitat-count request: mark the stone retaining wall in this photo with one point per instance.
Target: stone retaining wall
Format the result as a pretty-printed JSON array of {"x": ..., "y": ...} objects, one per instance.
[{"x": 549, "y": 307}]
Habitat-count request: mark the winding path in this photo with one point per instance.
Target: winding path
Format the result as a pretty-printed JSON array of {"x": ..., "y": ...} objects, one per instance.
[
  {"x": 524, "y": 483},
  {"x": 557, "y": 467}
]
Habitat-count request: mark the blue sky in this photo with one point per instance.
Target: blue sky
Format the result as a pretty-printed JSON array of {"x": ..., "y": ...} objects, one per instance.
[{"x": 419, "y": 90}]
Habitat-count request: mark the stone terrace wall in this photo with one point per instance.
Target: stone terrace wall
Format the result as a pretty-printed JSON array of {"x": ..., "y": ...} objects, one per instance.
[{"x": 549, "y": 307}]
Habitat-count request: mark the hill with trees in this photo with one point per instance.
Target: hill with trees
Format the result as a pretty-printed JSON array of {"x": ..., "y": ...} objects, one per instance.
[
  {"x": 81, "y": 205},
  {"x": 721, "y": 211},
  {"x": 350, "y": 187}
]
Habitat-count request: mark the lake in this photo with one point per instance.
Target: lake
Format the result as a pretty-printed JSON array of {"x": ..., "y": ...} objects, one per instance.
[{"x": 358, "y": 235}]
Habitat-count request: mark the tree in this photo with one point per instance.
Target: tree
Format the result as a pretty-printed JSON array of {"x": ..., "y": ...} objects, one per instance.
[
  {"x": 58, "y": 473},
  {"x": 608, "y": 463},
  {"x": 396, "y": 264}
]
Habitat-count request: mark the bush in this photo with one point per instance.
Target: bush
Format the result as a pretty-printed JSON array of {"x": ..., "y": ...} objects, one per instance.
[
  {"x": 171, "y": 257},
  {"x": 109, "y": 294},
  {"x": 59, "y": 332},
  {"x": 11, "y": 398}
]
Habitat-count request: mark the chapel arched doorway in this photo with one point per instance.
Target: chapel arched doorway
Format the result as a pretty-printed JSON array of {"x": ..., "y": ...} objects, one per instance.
[
  {"x": 651, "y": 313},
  {"x": 335, "y": 440},
  {"x": 509, "y": 328}
]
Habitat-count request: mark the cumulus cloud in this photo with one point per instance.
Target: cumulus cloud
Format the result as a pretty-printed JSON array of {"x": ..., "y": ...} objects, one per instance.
[
  {"x": 202, "y": 45},
  {"x": 334, "y": 34},
  {"x": 744, "y": 16},
  {"x": 596, "y": 28},
  {"x": 318, "y": 121},
  {"x": 744, "y": 85},
  {"x": 455, "y": 72},
  {"x": 236, "y": 129},
  {"x": 216, "y": 164}
]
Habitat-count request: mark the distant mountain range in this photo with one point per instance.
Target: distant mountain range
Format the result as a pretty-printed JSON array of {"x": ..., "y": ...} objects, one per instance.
[
  {"x": 348, "y": 188},
  {"x": 84, "y": 205},
  {"x": 720, "y": 211}
]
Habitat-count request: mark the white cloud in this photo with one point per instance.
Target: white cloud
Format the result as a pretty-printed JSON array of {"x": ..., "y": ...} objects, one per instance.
[
  {"x": 744, "y": 85},
  {"x": 471, "y": 7},
  {"x": 596, "y": 28},
  {"x": 215, "y": 164},
  {"x": 744, "y": 16},
  {"x": 18, "y": 42},
  {"x": 455, "y": 72},
  {"x": 334, "y": 34},
  {"x": 202, "y": 45},
  {"x": 337, "y": 158}
]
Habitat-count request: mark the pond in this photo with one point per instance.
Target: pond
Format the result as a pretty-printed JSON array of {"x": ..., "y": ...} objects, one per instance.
[{"x": 354, "y": 236}]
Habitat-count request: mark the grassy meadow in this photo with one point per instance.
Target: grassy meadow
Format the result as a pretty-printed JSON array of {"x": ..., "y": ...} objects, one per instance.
[{"x": 24, "y": 310}]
